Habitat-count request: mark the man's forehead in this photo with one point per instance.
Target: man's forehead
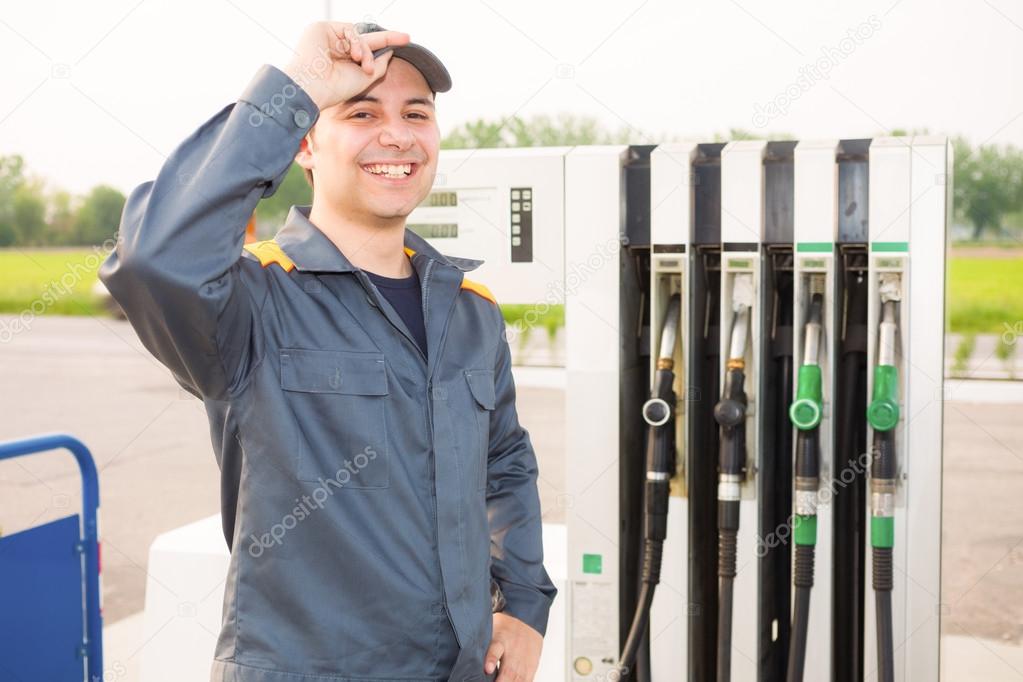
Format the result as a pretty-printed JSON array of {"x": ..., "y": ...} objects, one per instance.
[{"x": 402, "y": 81}]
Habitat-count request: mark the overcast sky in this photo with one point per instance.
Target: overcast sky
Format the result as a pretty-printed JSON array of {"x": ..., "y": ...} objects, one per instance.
[{"x": 102, "y": 92}]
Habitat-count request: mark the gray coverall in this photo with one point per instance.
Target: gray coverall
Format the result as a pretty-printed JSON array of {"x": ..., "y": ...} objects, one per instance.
[{"x": 325, "y": 417}]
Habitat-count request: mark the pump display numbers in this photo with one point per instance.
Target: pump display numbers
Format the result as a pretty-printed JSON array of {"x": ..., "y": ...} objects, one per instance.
[{"x": 435, "y": 199}]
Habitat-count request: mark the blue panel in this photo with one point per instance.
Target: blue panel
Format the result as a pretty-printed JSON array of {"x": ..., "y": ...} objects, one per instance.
[{"x": 41, "y": 604}]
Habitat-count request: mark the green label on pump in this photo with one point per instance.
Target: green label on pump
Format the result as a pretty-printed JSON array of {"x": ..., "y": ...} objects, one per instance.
[
  {"x": 889, "y": 246},
  {"x": 883, "y": 411},
  {"x": 804, "y": 529},
  {"x": 805, "y": 412},
  {"x": 592, "y": 563},
  {"x": 882, "y": 531},
  {"x": 744, "y": 264},
  {"x": 815, "y": 247}
]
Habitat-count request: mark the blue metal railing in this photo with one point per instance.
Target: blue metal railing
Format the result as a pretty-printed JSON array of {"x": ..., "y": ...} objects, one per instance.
[{"x": 89, "y": 537}]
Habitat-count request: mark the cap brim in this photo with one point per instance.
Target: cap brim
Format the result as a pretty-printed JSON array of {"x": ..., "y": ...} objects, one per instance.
[{"x": 428, "y": 64}]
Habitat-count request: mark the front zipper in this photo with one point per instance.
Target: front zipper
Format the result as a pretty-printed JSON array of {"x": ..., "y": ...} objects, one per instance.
[{"x": 429, "y": 425}]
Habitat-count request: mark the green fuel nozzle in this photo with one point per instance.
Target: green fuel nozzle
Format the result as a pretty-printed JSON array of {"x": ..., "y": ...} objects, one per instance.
[
  {"x": 883, "y": 411},
  {"x": 805, "y": 411}
]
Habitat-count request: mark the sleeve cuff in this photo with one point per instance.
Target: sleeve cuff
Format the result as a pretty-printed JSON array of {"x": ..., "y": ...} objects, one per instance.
[
  {"x": 530, "y": 606},
  {"x": 274, "y": 95}
]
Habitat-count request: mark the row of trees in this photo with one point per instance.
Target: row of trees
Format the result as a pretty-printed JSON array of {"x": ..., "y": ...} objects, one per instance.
[
  {"x": 31, "y": 214},
  {"x": 988, "y": 183}
]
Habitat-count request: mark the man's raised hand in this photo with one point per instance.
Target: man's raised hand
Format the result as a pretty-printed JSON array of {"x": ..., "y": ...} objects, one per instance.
[{"x": 333, "y": 62}]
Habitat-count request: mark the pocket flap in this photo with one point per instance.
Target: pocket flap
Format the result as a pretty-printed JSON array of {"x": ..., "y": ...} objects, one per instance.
[
  {"x": 481, "y": 383},
  {"x": 333, "y": 371}
]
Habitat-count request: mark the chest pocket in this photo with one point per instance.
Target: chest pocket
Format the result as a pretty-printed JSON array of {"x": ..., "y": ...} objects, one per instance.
[
  {"x": 340, "y": 399},
  {"x": 481, "y": 386}
]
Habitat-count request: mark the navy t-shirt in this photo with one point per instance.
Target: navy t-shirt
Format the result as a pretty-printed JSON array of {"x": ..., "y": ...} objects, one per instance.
[{"x": 406, "y": 297}]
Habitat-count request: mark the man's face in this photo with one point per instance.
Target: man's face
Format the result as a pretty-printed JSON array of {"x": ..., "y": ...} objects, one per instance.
[{"x": 355, "y": 146}]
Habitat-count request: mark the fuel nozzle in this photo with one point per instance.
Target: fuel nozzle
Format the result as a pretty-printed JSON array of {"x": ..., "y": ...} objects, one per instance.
[
  {"x": 883, "y": 416},
  {"x": 730, "y": 411},
  {"x": 730, "y": 414},
  {"x": 805, "y": 413},
  {"x": 658, "y": 412},
  {"x": 883, "y": 411}
]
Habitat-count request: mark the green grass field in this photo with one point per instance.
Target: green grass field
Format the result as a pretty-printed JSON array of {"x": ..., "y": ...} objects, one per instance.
[
  {"x": 49, "y": 281},
  {"x": 985, "y": 293}
]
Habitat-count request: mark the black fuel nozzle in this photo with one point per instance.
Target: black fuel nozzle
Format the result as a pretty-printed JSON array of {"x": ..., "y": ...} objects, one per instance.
[{"x": 730, "y": 414}]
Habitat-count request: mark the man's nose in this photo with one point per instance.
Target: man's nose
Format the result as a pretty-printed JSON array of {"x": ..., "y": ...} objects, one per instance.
[{"x": 397, "y": 134}]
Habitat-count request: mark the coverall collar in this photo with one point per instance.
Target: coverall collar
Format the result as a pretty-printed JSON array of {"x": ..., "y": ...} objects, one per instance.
[{"x": 310, "y": 249}]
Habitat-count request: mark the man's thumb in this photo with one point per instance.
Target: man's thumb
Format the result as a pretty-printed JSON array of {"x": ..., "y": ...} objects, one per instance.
[{"x": 494, "y": 653}]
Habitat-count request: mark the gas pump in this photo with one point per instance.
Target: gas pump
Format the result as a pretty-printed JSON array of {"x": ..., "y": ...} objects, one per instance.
[{"x": 748, "y": 327}]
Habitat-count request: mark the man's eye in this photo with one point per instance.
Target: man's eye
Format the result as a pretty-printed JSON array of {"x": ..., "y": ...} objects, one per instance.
[
  {"x": 361, "y": 113},
  {"x": 418, "y": 115}
]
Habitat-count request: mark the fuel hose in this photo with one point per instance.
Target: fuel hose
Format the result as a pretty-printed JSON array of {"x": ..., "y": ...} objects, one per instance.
[
  {"x": 883, "y": 416},
  {"x": 730, "y": 414},
  {"x": 659, "y": 414},
  {"x": 805, "y": 414}
]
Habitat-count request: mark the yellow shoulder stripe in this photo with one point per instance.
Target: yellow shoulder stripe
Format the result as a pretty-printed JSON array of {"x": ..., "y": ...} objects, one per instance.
[
  {"x": 268, "y": 251},
  {"x": 478, "y": 289},
  {"x": 467, "y": 284}
]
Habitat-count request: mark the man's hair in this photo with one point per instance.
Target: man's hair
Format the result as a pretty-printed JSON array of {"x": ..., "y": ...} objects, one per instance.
[{"x": 309, "y": 174}]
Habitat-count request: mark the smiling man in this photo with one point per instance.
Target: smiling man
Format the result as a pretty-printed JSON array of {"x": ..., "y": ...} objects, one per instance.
[{"x": 378, "y": 492}]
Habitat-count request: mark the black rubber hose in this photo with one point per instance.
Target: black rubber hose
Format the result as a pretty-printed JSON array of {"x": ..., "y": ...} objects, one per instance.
[
  {"x": 639, "y": 619},
  {"x": 883, "y": 606},
  {"x": 803, "y": 580},
  {"x": 730, "y": 414},
  {"x": 884, "y": 467},
  {"x": 727, "y": 540}
]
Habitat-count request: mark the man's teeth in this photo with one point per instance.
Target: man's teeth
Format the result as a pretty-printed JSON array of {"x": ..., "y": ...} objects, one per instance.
[{"x": 389, "y": 169}]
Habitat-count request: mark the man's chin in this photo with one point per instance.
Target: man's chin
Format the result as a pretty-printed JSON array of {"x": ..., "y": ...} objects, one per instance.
[
  {"x": 386, "y": 212},
  {"x": 393, "y": 207}
]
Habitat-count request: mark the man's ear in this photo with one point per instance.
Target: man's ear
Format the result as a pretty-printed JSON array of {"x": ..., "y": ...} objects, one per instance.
[{"x": 304, "y": 156}]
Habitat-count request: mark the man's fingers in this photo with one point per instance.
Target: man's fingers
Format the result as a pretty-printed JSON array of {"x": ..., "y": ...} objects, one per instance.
[
  {"x": 494, "y": 653},
  {"x": 343, "y": 43},
  {"x": 379, "y": 39},
  {"x": 361, "y": 54}
]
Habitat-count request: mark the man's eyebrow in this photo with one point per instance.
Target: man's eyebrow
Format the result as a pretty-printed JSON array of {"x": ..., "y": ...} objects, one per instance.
[{"x": 376, "y": 100}]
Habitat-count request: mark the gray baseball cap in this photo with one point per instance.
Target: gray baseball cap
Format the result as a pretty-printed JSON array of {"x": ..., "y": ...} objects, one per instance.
[{"x": 436, "y": 75}]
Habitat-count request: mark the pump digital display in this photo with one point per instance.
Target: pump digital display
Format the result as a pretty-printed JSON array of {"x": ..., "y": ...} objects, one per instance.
[
  {"x": 434, "y": 230},
  {"x": 435, "y": 199}
]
